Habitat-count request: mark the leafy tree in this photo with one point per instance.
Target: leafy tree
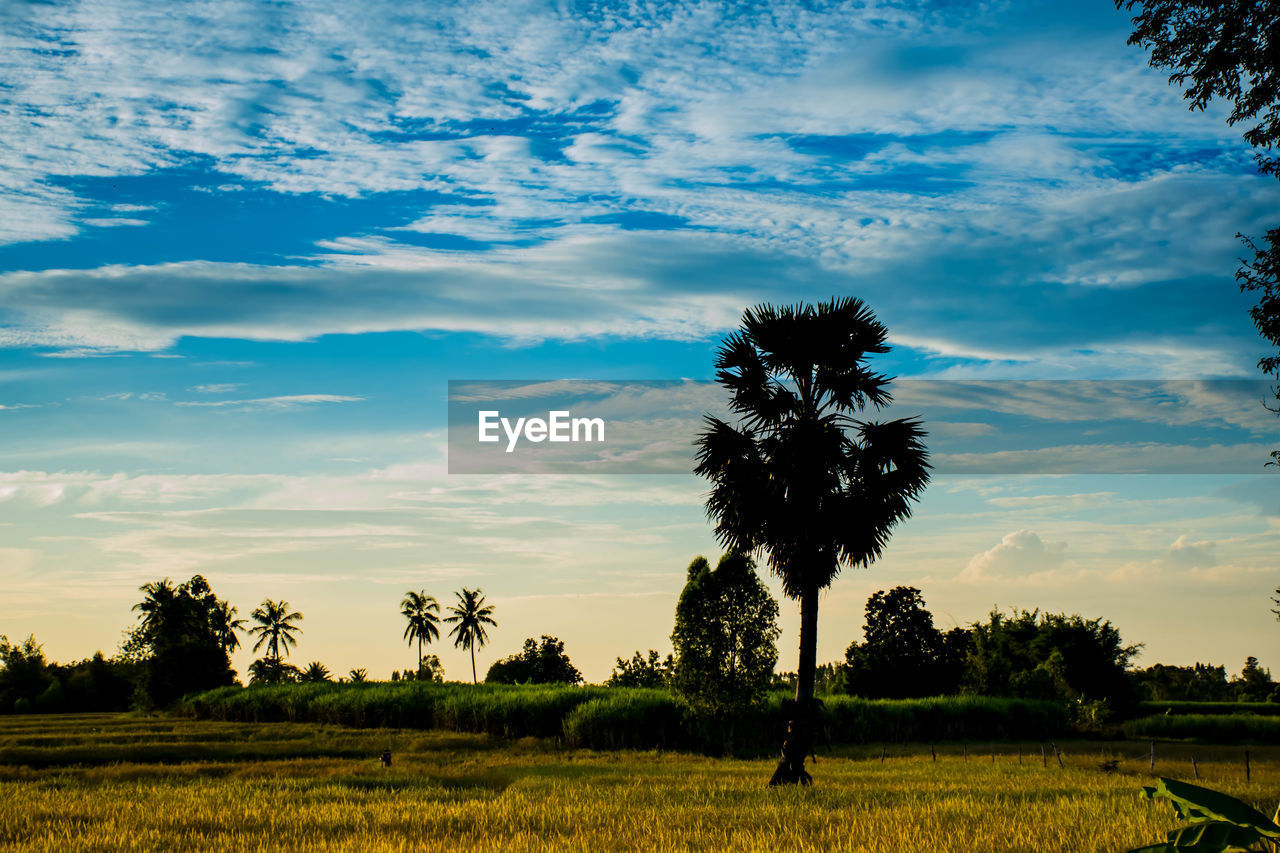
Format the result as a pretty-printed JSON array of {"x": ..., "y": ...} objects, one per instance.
[
  {"x": 1049, "y": 656},
  {"x": 1254, "y": 683},
  {"x": 725, "y": 640},
  {"x": 420, "y": 611},
  {"x": 903, "y": 654},
  {"x": 537, "y": 663},
  {"x": 274, "y": 627},
  {"x": 28, "y": 682},
  {"x": 97, "y": 684},
  {"x": 1227, "y": 49},
  {"x": 800, "y": 478},
  {"x": 24, "y": 674},
  {"x": 315, "y": 673},
  {"x": 430, "y": 669},
  {"x": 469, "y": 617},
  {"x": 828, "y": 678},
  {"x": 358, "y": 676},
  {"x": 182, "y": 640},
  {"x": 1199, "y": 683},
  {"x": 53, "y": 700},
  {"x": 641, "y": 671}
]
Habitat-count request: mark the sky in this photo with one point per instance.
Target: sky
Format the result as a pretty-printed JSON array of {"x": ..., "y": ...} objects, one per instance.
[{"x": 245, "y": 247}]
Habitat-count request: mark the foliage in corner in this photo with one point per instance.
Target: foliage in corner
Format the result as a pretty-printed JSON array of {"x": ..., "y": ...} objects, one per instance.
[{"x": 1216, "y": 822}]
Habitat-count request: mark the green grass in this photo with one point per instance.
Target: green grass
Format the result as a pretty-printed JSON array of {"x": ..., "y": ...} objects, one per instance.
[
  {"x": 66, "y": 785},
  {"x": 610, "y": 718},
  {"x": 1215, "y": 728},
  {"x": 1266, "y": 709}
]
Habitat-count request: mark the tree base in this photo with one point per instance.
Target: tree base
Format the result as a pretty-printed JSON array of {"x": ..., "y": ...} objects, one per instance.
[
  {"x": 797, "y": 745},
  {"x": 787, "y": 774}
]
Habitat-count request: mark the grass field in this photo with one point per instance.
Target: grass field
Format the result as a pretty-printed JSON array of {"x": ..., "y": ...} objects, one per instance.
[{"x": 101, "y": 782}]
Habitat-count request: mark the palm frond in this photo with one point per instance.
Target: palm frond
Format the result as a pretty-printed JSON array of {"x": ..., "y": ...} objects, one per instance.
[{"x": 800, "y": 479}]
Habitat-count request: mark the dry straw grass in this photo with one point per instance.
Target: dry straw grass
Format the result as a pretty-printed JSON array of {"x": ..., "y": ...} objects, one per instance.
[{"x": 301, "y": 786}]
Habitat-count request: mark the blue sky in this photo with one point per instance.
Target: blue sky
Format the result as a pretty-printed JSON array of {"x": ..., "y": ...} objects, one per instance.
[{"x": 244, "y": 247}]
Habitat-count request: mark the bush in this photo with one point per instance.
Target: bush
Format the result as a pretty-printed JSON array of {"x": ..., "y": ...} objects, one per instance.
[
  {"x": 53, "y": 699},
  {"x": 1219, "y": 728},
  {"x": 1271, "y": 709},
  {"x": 537, "y": 663},
  {"x": 941, "y": 718},
  {"x": 506, "y": 710},
  {"x": 622, "y": 718},
  {"x": 632, "y": 719}
]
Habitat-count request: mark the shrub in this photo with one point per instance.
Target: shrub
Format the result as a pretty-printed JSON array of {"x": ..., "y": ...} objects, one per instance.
[
  {"x": 1219, "y": 728},
  {"x": 631, "y": 719},
  {"x": 616, "y": 718},
  {"x": 1271, "y": 709}
]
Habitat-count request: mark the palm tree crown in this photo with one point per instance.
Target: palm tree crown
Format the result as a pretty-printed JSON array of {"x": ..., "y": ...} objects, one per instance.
[
  {"x": 157, "y": 606},
  {"x": 419, "y": 610},
  {"x": 469, "y": 616},
  {"x": 226, "y": 625},
  {"x": 273, "y": 626},
  {"x": 801, "y": 478},
  {"x": 315, "y": 672}
]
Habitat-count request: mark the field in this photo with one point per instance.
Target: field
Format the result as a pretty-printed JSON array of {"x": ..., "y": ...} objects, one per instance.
[
  {"x": 614, "y": 717},
  {"x": 104, "y": 782}
]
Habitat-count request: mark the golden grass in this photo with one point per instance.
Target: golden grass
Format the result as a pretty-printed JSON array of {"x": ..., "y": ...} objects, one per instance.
[{"x": 312, "y": 788}]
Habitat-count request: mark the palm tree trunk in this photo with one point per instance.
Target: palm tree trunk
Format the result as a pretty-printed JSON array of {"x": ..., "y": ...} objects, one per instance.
[
  {"x": 474, "y": 680},
  {"x": 798, "y": 743},
  {"x": 417, "y": 670}
]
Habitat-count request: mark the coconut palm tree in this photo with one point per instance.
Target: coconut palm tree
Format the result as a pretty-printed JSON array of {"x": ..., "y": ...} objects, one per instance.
[
  {"x": 800, "y": 479},
  {"x": 470, "y": 615},
  {"x": 225, "y": 625},
  {"x": 274, "y": 628},
  {"x": 420, "y": 610},
  {"x": 158, "y": 607},
  {"x": 315, "y": 672}
]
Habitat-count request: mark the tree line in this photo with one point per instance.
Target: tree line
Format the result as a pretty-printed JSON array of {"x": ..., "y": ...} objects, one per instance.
[
  {"x": 723, "y": 659},
  {"x": 182, "y": 644},
  {"x": 903, "y": 654}
]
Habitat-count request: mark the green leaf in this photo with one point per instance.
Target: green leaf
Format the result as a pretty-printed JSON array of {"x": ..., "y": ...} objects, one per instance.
[
  {"x": 1213, "y": 837},
  {"x": 1206, "y": 837},
  {"x": 1201, "y": 805}
]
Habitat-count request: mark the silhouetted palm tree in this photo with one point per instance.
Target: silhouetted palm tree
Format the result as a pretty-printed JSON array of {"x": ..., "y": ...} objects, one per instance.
[
  {"x": 274, "y": 627},
  {"x": 358, "y": 676},
  {"x": 420, "y": 610},
  {"x": 315, "y": 672},
  {"x": 156, "y": 606},
  {"x": 470, "y": 614},
  {"x": 225, "y": 625},
  {"x": 799, "y": 479}
]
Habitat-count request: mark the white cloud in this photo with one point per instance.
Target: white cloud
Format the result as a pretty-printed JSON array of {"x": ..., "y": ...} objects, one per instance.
[
  {"x": 1184, "y": 554},
  {"x": 115, "y": 222},
  {"x": 287, "y": 401},
  {"x": 216, "y": 388},
  {"x": 1018, "y": 556},
  {"x": 545, "y": 125}
]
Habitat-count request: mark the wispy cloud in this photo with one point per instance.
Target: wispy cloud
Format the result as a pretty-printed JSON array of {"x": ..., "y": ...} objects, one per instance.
[
  {"x": 215, "y": 388},
  {"x": 288, "y": 401},
  {"x": 642, "y": 172}
]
